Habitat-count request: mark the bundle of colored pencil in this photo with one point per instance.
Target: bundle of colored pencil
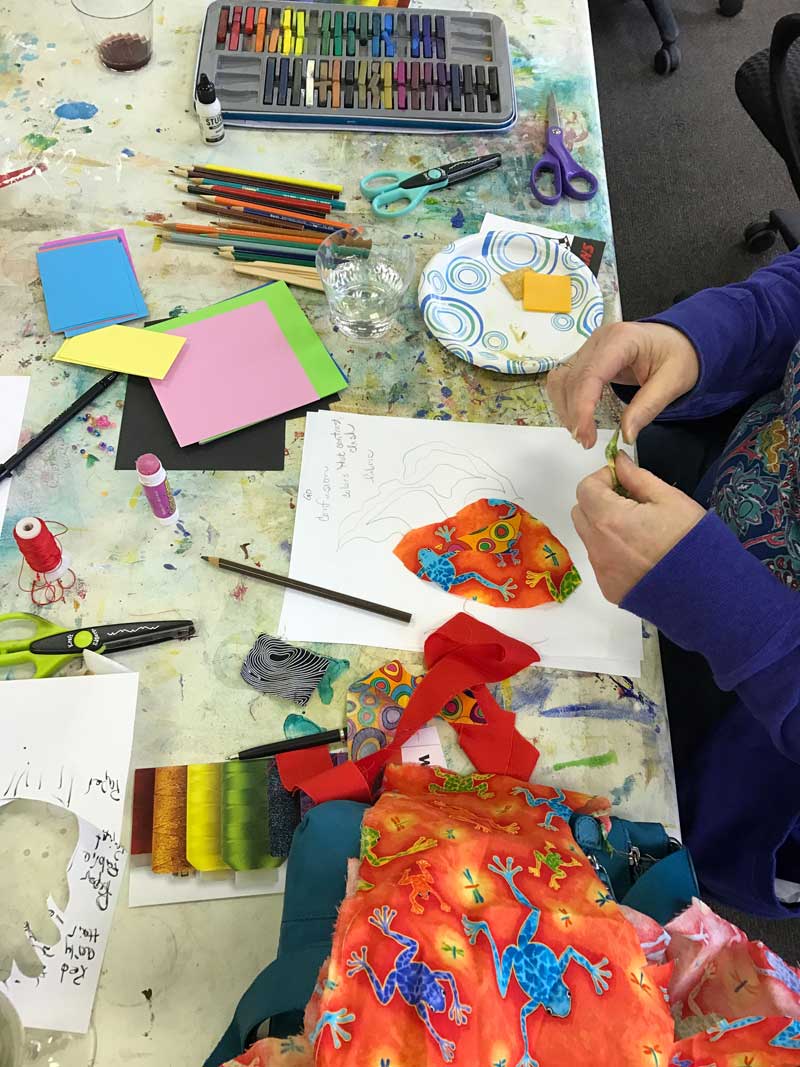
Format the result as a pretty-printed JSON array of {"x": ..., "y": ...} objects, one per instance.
[{"x": 272, "y": 222}]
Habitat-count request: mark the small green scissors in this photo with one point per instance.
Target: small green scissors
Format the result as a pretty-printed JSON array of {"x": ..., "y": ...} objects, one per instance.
[
  {"x": 413, "y": 188},
  {"x": 49, "y": 647}
]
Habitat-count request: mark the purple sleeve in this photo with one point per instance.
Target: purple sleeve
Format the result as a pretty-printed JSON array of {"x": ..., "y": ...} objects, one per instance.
[
  {"x": 743, "y": 335},
  {"x": 709, "y": 595}
]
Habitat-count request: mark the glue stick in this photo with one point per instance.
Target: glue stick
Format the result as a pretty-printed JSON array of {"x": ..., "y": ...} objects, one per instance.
[{"x": 157, "y": 489}]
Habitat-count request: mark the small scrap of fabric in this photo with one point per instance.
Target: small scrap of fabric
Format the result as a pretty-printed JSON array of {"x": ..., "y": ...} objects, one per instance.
[
  {"x": 492, "y": 551},
  {"x": 376, "y": 701},
  {"x": 612, "y": 451},
  {"x": 272, "y": 666}
]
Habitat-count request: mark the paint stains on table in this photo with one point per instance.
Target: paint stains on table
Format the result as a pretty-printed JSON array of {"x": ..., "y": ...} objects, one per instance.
[
  {"x": 457, "y": 220},
  {"x": 39, "y": 142},
  {"x": 622, "y": 792},
  {"x": 76, "y": 109},
  {"x": 603, "y": 759},
  {"x": 239, "y": 592}
]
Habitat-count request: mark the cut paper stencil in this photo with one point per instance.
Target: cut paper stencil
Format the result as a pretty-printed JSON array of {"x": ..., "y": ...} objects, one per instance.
[{"x": 492, "y": 551}]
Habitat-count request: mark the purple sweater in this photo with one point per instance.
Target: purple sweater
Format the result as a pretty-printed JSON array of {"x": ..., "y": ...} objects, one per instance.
[{"x": 726, "y": 592}]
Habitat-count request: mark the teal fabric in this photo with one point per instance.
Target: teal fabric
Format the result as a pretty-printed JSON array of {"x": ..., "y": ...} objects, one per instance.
[
  {"x": 663, "y": 882},
  {"x": 316, "y": 874}
]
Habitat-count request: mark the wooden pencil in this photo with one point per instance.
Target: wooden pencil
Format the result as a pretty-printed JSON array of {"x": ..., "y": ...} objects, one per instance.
[
  {"x": 311, "y": 221},
  {"x": 240, "y": 196},
  {"x": 198, "y": 179},
  {"x": 278, "y": 275},
  {"x": 214, "y": 168},
  {"x": 290, "y": 240},
  {"x": 234, "y": 219},
  {"x": 305, "y": 587}
]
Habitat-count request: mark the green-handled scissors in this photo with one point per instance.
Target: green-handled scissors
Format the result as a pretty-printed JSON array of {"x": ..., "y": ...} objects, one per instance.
[
  {"x": 49, "y": 647},
  {"x": 413, "y": 188}
]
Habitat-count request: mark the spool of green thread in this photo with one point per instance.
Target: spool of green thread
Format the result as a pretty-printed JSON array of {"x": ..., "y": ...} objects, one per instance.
[{"x": 244, "y": 807}]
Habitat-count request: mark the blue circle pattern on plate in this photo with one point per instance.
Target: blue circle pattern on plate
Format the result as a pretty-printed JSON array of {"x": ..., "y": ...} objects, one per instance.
[
  {"x": 563, "y": 323},
  {"x": 468, "y": 275},
  {"x": 590, "y": 318},
  {"x": 451, "y": 319},
  {"x": 508, "y": 251},
  {"x": 459, "y": 325},
  {"x": 495, "y": 340},
  {"x": 435, "y": 279}
]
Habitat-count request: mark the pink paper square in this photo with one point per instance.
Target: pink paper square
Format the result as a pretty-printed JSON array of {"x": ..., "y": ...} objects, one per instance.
[{"x": 236, "y": 369}]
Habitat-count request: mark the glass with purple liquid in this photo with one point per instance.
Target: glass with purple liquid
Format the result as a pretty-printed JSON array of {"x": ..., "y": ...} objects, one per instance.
[{"x": 122, "y": 31}]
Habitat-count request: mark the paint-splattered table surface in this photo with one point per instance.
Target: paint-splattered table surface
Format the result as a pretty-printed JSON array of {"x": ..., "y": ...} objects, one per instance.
[{"x": 172, "y": 972}]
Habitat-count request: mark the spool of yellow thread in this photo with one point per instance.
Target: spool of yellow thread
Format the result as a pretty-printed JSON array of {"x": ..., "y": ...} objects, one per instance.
[
  {"x": 169, "y": 822},
  {"x": 203, "y": 826}
]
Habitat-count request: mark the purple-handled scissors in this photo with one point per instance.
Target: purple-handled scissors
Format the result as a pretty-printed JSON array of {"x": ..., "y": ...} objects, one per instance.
[{"x": 558, "y": 161}]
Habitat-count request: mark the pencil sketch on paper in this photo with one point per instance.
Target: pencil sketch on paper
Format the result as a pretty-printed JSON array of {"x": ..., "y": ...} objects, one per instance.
[{"x": 435, "y": 481}]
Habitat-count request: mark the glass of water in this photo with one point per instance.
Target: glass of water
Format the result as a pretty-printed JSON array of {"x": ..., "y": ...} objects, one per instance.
[{"x": 365, "y": 274}]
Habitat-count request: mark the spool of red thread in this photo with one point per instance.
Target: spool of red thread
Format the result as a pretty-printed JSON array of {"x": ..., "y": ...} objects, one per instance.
[{"x": 41, "y": 550}]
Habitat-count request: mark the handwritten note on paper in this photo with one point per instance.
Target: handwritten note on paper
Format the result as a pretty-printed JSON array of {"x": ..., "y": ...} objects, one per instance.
[
  {"x": 68, "y": 741},
  {"x": 367, "y": 480}
]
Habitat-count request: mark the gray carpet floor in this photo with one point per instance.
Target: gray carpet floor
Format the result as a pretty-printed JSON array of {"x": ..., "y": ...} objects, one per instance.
[{"x": 687, "y": 171}]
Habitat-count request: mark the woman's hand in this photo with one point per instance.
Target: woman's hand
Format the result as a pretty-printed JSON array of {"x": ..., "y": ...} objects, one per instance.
[
  {"x": 659, "y": 359},
  {"x": 626, "y": 538}
]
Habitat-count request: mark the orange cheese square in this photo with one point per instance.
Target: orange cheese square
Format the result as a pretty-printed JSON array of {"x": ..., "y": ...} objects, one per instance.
[{"x": 546, "y": 292}]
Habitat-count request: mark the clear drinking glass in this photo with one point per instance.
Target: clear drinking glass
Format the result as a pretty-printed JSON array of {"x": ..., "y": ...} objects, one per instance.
[
  {"x": 366, "y": 274},
  {"x": 122, "y": 31}
]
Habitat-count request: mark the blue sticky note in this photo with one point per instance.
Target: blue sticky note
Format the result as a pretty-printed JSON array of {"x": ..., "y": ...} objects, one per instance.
[{"x": 89, "y": 284}]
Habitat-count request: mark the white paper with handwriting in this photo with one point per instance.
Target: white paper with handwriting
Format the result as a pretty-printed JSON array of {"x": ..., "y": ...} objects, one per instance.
[
  {"x": 67, "y": 741},
  {"x": 366, "y": 480}
]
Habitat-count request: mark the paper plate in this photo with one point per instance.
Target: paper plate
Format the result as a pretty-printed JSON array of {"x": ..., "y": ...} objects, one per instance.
[{"x": 467, "y": 307}]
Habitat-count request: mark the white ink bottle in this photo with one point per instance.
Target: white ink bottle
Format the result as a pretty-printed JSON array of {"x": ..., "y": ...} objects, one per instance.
[{"x": 209, "y": 111}]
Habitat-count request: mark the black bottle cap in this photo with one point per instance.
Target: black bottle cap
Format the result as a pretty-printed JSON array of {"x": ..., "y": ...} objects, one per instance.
[{"x": 206, "y": 93}]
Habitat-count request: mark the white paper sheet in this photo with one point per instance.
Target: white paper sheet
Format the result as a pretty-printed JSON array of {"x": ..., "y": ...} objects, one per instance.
[
  {"x": 13, "y": 394},
  {"x": 499, "y": 222},
  {"x": 67, "y": 741},
  {"x": 366, "y": 480}
]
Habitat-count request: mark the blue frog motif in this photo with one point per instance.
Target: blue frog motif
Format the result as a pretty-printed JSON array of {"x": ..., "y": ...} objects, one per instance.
[
  {"x": 417, "y": 984},
  {"x": 557, "y": 808},
  {"x": 538, "y": 970},
  {"x": 437, "y": 568}
]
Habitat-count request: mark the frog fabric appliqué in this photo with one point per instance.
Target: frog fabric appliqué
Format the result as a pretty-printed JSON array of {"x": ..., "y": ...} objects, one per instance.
[{"x": 492, "y": 551}]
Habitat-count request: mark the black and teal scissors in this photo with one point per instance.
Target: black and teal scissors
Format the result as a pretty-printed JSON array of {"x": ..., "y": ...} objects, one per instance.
[{"x": 49, "y": 647}]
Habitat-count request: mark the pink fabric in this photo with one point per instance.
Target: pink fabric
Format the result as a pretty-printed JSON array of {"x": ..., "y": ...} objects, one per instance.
[{"x": 717, "y": 971}]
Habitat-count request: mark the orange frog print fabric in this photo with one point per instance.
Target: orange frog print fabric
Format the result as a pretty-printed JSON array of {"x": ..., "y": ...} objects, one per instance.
[
  {"x": 479, "y": 935},
  {"x": 494, "y": 552}
]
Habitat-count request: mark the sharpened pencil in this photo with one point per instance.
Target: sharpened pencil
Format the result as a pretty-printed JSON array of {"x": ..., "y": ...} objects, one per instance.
[
  {"x": 199, "y": 179},
  {"x": 306, "y": 587},
  {"x": 279, "y": 179},
  {"x": 254, "y": 199},
  {"x": 234, "y": 219},
  {"x": 311, "y": 222}
]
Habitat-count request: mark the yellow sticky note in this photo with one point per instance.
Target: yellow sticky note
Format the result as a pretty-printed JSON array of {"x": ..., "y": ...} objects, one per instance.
[
  {"x": 123, "y": 348},
  {"x": 546, "y": 292}
]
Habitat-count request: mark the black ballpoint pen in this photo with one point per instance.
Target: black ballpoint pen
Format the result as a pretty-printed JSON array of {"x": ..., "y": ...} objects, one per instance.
[
  {"x": 327, "y": 737},
  {"x": 14, "y": 461}
]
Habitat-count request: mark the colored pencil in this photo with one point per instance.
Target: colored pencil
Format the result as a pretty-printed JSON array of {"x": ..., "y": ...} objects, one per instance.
[
  {"x": 52, "y": 427},
  {"x": 216, "y": 238},
  {"x": 335, "y": 205},
  {"x": 311, "y": 221},
  {"x": 290, "y": 240},
  {"x": 278, "y": 275},
  {"x": 289, "y": 268},
  {"x": 278, "y": 178},
  {"x": 251, "y": 212},
  {"x": 308, "y": 207},
  {"x": 273, "y": 257},
  {"x": 293, "y": 744},
  {"x": 306, "y": 587},
  {"x": 234, "y": 219}
]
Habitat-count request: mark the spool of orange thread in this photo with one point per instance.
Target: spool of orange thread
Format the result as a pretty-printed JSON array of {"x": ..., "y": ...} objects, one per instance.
[{"x": 43, "y": 553}]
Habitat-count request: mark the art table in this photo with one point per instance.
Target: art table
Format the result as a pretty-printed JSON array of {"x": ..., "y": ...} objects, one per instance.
[{"x": 172, "y": 974}]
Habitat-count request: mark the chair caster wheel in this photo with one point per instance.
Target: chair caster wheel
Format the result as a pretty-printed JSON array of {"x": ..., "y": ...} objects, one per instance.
[
  {"x": 758, "y": 237},
  {"x": 667, "y": 59},
  {"x": 729, "y": 8}
]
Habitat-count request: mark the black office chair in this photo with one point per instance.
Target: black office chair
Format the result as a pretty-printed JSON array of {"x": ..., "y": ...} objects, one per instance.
[
  {"x": 768, "y": 87},
  {"x": 668, "y": 58}
]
